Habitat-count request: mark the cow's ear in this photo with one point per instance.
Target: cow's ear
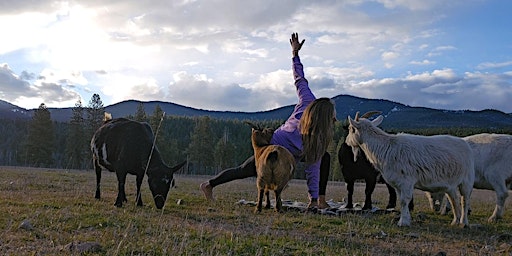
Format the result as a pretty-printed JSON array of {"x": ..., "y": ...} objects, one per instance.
[{"x": 177, "y": 167}]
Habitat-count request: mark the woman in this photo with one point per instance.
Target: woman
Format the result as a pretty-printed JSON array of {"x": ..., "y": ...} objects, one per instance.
[{"x": 306, "y": 134}]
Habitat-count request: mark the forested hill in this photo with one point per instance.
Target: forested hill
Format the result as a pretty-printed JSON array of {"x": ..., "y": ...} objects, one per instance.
[{"x": 397, "y": 115}]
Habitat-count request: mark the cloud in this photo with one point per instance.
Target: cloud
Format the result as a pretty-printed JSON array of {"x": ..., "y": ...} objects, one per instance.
[
  {"x": 22, "y": 89},
  {"x": 198, "y": 89},
  {"x": 490, "y": 65},
  {"x": 440, "y": 50},
  {"x": 442, "y": 89},
  {"x": 423, "y": 62},
  {"x": 386, "y": 56},
  {"x": 230, "y": 55},
  {"x": 11, "y": 85}
]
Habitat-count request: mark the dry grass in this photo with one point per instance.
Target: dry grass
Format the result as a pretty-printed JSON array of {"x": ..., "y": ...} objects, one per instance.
[{"x": 61, "y": 207}]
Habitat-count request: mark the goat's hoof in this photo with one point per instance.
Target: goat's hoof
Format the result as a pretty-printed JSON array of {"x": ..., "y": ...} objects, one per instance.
[{"x": 493, "y": 219}]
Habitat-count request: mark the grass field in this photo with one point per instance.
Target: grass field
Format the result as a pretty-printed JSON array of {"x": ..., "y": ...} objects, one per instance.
[{"x": 61, "y": 211}]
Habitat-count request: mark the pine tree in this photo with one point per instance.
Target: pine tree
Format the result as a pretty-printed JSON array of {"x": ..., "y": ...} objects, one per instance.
[
  {"x": 154, "y": 120},
  {"x": 95, "y": 114},
  {"x": 201, "y": 145},
  {"x": 76, "y": 143},
  {"x": 40, "y": 139},
  {"x": 224, "y": 152},
  {"x": 140, "y": 114}
]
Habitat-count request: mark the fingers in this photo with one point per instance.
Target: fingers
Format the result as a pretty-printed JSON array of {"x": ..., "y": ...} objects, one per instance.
[{"x": 295, "y": 37}]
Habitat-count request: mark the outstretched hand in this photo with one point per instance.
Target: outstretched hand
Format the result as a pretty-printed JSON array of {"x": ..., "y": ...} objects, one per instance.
[{"x": 294, "y": 42}]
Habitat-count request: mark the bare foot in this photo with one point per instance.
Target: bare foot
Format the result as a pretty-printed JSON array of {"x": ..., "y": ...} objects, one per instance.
[{"x": 207, "y": 191}]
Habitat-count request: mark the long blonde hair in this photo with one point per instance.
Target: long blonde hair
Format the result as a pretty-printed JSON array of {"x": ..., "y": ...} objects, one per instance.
[{"x": 317, "y": 128}]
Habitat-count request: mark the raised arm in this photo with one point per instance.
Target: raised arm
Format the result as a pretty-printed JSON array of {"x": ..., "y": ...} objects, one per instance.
[
  {"x": 301, "y": 83},
  {"x": 296, "y": 45}
]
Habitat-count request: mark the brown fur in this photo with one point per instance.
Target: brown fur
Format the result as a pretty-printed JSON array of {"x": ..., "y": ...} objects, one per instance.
[{"x": 274, "y": 166}]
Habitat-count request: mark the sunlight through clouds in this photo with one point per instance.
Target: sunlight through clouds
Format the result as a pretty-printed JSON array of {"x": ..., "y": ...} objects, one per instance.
[{"x": 238, "y": 56}]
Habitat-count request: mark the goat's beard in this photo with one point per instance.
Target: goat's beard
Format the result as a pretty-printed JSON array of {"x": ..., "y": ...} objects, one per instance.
[{"x": 355, "y": 151}]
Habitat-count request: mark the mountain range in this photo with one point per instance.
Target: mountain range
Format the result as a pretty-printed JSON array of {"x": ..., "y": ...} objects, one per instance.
[{"x": 396, "y": 115}]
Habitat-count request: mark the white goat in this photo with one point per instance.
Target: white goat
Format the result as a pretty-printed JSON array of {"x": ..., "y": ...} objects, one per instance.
[
  {"x": 440, "y": 163},
  {"x": 493, "y": 168},
  {"x": 274, "y": 166}
]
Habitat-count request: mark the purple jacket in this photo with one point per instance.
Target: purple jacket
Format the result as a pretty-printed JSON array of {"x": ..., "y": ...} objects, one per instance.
[{"x": 288, "y": 134}]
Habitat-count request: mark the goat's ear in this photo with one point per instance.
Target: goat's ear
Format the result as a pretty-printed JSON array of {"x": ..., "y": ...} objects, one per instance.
[
  {"x": 252, "y": 125},
  {"x": 377, "y": 121},
  {"x": 177, "y": 167},
  {"x": 269, "y": 130},
  {"x": 351, "y": 121}
]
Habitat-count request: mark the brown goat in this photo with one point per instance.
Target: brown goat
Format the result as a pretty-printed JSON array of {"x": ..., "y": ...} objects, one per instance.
[{"x": 274, "y": 166}]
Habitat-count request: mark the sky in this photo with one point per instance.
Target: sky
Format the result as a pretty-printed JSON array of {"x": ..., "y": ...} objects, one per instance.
[{"x": 231, "y": 55}]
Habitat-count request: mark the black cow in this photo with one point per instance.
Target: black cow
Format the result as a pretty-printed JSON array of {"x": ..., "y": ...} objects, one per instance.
[{"x": 124, "y": 146}]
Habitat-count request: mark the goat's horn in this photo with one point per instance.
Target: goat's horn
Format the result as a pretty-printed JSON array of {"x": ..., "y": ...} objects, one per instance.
[
  {"x": 371, "y": 113},
  {"x": 257, "y": 127},
  {"x": 357, "y": 116}
]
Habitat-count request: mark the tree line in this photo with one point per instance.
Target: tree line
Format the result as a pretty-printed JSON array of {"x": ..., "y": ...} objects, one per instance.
[{"x": 210, "y": 145}]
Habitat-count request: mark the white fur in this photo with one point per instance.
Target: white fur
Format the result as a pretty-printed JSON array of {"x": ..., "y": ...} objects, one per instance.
[
  {"x": 440, "y": 163},
  {"x": 493, "y": 168},
  {"x": 104, "y": 153}
]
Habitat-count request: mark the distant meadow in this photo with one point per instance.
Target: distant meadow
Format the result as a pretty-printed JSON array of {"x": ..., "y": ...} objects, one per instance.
[{"x": 54, "y": 212}]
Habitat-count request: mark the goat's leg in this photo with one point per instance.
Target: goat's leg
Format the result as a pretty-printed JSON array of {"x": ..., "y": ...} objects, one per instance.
[
  {"x": 350, "y": 190},
  {"x": 431, "y": 201},
  {"x": 121, "y": 195},
  {"x": 279, "y": 204},
  {"x": 501, "y": 197},
  {"x": 465, "y": 190},
  {"x": 405, "y": 199},
  {"x": 370, "y": 187},
  {"x": 139, "y": 183},
  {"x": 392, "y": 197},
  {"x": 455, "y": 204},
  {"x": 97, "y": 168},
  {"x": 268, "y": 204},
  {"x": 438, "y": 202},
  {"x": 261, "y": 191},
  {"x": 443, "y": 205}
]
